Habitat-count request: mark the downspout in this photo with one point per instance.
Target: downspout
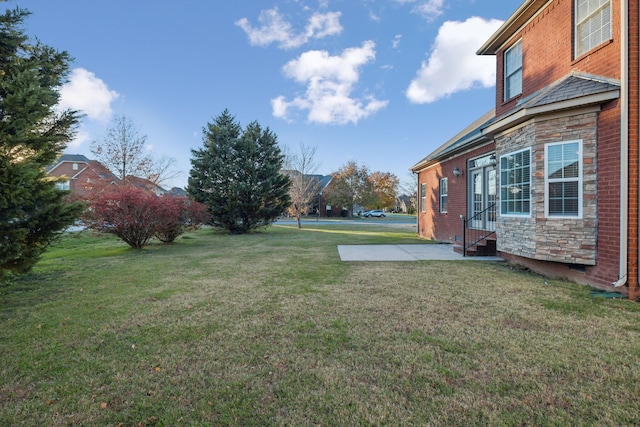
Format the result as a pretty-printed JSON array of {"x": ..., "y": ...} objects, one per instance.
[{"x": 624, "y": 143}]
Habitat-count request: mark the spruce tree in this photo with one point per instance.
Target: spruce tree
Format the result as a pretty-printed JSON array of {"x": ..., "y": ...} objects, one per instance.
[
  {"x": 237, "y": 175},
  {"x": 32, "y": 134}
]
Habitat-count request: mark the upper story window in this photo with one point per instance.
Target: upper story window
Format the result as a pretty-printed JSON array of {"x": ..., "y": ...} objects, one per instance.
[
  {"x": 444, "y": 195},
  {"x": 515, "y": 183},
  {"x": 62, "y": 185},
  {"x": 75, "y": 167},
  {"x": 513, "y": 71},
  {"x": 563, "y": 178},
  {"x": 593, "y": 24}
]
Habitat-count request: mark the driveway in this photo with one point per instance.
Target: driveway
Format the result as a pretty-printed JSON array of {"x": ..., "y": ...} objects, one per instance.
[{"x": 416, "y": 252}]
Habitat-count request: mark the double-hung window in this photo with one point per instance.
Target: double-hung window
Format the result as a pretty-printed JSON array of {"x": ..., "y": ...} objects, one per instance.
[
  {"x": 513, "y": 71},
  {"x": 515, "y": 183},
  {"x": 423, "y": 197},
  {"x": 593, "y": 24},
  {"x": 62, "y": 185},
  {"x": 444, "y": 194},
  {"x": 563, "y": 179}
]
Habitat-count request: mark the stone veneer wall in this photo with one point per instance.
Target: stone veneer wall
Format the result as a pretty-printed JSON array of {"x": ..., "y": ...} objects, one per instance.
[{"x": 565, "y": 240}]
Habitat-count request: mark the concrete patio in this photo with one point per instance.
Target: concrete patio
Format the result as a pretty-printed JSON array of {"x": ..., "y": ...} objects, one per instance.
[{"x": 416, "y": 252}]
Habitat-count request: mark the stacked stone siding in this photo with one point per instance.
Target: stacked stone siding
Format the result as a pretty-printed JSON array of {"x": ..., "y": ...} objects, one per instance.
[{"x": 566, "y": 240}]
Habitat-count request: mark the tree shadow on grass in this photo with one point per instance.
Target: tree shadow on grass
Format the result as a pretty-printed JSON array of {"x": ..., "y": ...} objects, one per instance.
[{"x": 28, "y": 290}]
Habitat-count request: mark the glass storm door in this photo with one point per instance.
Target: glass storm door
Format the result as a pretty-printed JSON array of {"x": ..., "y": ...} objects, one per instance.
[
  {"x": 482, "y": 193},
  {"x": 477, "y": 198}
]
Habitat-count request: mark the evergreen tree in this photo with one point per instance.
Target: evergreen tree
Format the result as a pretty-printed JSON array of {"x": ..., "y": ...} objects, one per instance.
[
  {"x": 32, "y": 134},
  {"x": 237, "y": 175}
]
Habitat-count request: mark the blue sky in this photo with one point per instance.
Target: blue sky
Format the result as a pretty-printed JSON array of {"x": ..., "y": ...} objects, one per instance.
[{"x": 378, "y": 82}]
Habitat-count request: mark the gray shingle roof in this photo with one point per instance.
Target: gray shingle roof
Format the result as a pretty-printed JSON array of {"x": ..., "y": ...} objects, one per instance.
[
  {"x": 569, "y": 88},
  {"x": 573, "y": 86}
]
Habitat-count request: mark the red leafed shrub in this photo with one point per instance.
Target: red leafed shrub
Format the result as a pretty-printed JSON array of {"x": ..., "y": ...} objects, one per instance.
[
  {"x": 178, "y": 214},
  {"x": 136, "y": 216},
  {"x": 127, "y": 212}
]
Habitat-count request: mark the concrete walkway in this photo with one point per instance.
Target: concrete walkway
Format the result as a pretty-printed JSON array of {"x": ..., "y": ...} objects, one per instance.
[{"x": 416, "y": 252}]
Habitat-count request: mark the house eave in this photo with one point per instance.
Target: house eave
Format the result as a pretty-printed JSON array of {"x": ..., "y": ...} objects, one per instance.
[
  {"x": 511, "y": 26},
  {"x": 467, "y": 146}
]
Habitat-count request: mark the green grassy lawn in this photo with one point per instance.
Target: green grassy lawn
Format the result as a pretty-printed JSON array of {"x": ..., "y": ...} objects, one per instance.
[{"x": 273, "y": 329}]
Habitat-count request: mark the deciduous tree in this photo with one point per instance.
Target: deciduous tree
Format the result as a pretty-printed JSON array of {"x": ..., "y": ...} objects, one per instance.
[
  {"x": 123, "y": 150},
  {"x": 351, "y": 186},
  {"x": 238, "y": 175},
  {"x": 33, "y": 132},
  {"x": 305, "y": 186},
  {"x": 385, "y": 188}
]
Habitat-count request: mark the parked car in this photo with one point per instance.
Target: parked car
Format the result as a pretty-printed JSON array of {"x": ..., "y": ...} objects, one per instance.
[{"x": 376, "y": 212}]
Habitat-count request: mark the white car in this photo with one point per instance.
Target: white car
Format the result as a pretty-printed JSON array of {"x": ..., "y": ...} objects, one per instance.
[{"x": 376, "y": 212}]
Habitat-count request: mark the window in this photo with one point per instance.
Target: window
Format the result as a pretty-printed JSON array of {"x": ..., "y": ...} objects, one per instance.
[
  {"x": 593, "y": 24},
  {"x": 75, "y": 167},
  {"x": 423, "y": 197},
  {"x": 62, "y": 185},
  {"x": 444, "y": 194},
  {"x": 515, "y": 183},
  {"x": 563, "y": 179},
  {"x": 513, "y": 71}
]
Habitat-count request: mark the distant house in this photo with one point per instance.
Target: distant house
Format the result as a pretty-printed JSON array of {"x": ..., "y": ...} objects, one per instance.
[
  {"x": 84, "y": 177},
  {"x": 404, "y": 204},
  {"x": 143, "y": 184},
  {"x": 549, "y": 177},
  {"x": 319, "y": 205}
]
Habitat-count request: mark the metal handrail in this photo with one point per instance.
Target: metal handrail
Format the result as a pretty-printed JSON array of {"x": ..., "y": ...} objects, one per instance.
[{"x": 479, "y": 234}]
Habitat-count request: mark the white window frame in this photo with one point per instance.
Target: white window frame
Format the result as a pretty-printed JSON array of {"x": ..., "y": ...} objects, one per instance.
[
  {"x": 63, "y": 186},
  {"x": 502, "y": 184},
  {"x": 599, "y": 28},
  {"x": 423, "y": 197},
  {"x": 578, "y": 179},
  {"x": 510, "y": 75},
  {"x": 444, "y": 195}
]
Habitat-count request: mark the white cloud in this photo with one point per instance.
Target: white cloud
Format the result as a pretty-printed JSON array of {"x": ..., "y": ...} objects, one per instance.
[
  {"x": 330, "y": 81},
  {"x": 453, "y": 65},
  {"x": 89, "y": 94},
  {"x": 275, "y": 29},
  {"x": 429, "y": 9},
  {"x": 396, "y": 41},
  {"x": 80, "y": 138}
]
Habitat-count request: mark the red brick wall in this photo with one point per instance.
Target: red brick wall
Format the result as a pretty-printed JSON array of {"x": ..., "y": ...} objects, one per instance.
[
  {"x": 608, "y": 255},
  {"x": 634, "y": 111},
  {"x": 445, "y": 227},
  {"x": 547, "y": 52}
]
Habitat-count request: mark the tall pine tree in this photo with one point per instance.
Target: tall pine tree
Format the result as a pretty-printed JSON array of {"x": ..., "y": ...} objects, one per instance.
[
  {"x": 32, "y": 134},
  {"x": 237, "y": 175}
]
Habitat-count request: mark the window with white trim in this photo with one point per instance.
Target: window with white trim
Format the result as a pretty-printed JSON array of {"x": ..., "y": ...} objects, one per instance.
[
  {"x": 444, "y": 194},
  {"x": 563, "y": 179},
  {"x": 513, "y": 71},
  {"x": 423, "y": 197},
  {"x": 515, "y": 183},
  {"x": 62, "y": 185},
  {"x": 593, "y": 24}
]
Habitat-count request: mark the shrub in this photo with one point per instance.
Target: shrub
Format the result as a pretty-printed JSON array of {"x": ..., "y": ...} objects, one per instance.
[
  {"x": 136, "y": 216},
  {"x": 126, "y": 212},
  {"x": 177, "y": 214}
]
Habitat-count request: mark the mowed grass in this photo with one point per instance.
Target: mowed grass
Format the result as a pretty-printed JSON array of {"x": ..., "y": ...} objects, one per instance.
[{"x": 273, "y": 329}]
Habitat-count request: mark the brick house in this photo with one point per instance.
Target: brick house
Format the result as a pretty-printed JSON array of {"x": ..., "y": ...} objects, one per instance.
[
  {"x": 549, "y": 177},
  {"x": 87, "y": 177},
  {"x": 84, "y": 176}
]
